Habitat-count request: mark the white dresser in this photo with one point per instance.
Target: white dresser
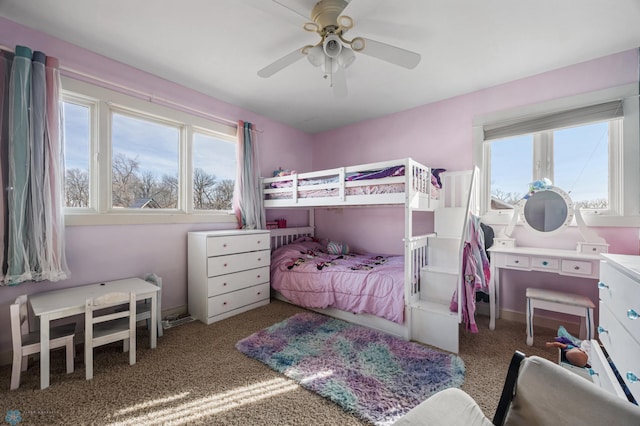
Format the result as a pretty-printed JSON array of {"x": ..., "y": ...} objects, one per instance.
[
  {"x": 619, "y": 325},
  {"x": 228, "y": 272}
]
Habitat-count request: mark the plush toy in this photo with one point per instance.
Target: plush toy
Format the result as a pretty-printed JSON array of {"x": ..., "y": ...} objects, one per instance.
[
  {"x": 572, "y": 349},
  {"x": 335, "y": 247},
  {"x": 283, "y": 172}
]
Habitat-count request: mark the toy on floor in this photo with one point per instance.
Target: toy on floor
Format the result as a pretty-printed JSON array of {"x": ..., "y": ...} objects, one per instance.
[{"x": 573, "y": 350}]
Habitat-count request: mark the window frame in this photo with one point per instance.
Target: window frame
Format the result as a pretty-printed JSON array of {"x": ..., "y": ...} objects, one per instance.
[
  {"x": 104, "y": 103},
  {"x": 624, "y": 158}
]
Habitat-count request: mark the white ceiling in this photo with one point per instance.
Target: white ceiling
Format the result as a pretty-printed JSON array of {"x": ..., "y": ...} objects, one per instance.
[{"x": 217, "y": 46}]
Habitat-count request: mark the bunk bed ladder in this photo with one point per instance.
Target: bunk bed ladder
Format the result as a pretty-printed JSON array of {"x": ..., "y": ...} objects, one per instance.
[{"x": 432, "y": 321}]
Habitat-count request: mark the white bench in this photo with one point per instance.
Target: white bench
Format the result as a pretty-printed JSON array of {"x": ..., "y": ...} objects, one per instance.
[{"x": 566, "y": 303}]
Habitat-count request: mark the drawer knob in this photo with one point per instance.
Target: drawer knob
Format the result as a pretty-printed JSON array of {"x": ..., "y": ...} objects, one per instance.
[
  {"x": 259, "y": 293},
  {"x": 576, "y": 268},
  {"x": 601, "y": 329},
  {"x": 632, "y": 377},
  {"x": 259, "y": 241},
  {"x": 224, "y": 303},
  {"x": 259, "y": 276},
  {"x": 602, "y": 285},
  {"x": 224, "y": 284},
  {"x": 224, "y": 245},
  {"x": 517, "y": 261},
  {"x": 225, "y": 265},
  {"x": 545, "y": 263},
  {"x": 259, "y": 259},
  {"x": 632, "y": 315}
]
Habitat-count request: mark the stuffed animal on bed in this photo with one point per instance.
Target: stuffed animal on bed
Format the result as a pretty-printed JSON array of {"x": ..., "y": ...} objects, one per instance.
[
  {"x": 283, "y": 172},
  {"x": 335, "y": 247}
]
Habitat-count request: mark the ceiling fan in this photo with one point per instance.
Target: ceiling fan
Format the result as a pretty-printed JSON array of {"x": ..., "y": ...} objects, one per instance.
[{"x": 334, "y": 53}]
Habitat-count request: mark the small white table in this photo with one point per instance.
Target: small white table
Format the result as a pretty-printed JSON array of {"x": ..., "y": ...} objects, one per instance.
[
  {"x": 50, "y": 305},
  {"x": 562, "y": 262}
]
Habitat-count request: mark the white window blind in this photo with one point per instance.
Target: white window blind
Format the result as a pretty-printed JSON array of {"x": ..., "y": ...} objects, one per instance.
[{"x": 573, "y": 117}]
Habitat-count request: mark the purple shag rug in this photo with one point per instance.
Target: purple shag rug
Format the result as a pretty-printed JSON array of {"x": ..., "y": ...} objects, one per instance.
[{"x": 371, "y": 374}]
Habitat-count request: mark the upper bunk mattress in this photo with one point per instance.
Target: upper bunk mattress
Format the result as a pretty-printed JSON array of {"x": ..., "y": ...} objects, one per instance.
[{"x": 363, "y": 184}]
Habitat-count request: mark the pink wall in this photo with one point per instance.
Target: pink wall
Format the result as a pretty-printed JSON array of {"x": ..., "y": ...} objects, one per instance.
[
  {"x": 100, "y": 253},
  {"x": 437, "y": 134},
  {"x": 440, "y": 135}
]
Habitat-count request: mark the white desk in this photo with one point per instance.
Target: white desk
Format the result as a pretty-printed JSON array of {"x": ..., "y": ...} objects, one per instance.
[
  {"x": 50, "y": 305},
  {"x": 562, "y": 262}
]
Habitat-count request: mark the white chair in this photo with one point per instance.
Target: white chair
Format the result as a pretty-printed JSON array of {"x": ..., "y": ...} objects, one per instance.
[
  {"x": 26, "y": 343},
  {"x": 144, "y": 308},
  {"x": 104, "y": 325}
]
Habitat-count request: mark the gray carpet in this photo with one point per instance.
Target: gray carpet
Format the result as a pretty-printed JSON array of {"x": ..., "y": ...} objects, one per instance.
[{"x": 196, "y": 376}]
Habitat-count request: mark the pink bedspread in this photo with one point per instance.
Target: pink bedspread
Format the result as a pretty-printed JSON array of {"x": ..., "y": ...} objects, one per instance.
[{"x": 360, "y": 283}]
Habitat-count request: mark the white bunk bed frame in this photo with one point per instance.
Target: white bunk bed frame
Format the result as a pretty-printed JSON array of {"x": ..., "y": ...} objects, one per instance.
[{"x": 417, "y": 180}]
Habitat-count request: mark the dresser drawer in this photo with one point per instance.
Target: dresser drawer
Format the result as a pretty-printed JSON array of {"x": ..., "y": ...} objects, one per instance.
[
  {"x": 237, "y": 299},
  {"x": 229, "y": 244},
  {"x": 221, "y": 265},
  {"x": 603, "y": 375},
  {"x": 231, "y": 282},
  {"x": 621, "y": 294},
  {"x": 517, "y": 261},
  {"x": 545, "y": 264},
  {"x": 622, "y": 348},
  {"x": 577, "y": 267}
]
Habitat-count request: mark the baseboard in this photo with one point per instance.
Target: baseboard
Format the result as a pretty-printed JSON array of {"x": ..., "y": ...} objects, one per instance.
[
  {"x": 6, "y": 358},
  {"x": 541, "y": 321}
]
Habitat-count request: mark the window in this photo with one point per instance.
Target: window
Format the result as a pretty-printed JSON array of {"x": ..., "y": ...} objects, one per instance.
[
  {"x": 214, "y": 172},
  {"x": 129, "y": 160},
  {"x": 588, "y": 146},
  {"x": 575, "y": 159},
  {"x": 77, "y": 151},
  {"x": 144, "y": 163}
]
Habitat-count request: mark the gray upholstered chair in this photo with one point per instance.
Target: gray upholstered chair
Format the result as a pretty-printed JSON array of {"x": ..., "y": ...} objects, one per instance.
[{"x": 536, "y": 392}]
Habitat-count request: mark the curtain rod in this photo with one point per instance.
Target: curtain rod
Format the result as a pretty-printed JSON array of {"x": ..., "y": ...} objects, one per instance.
[{"x": 70, "y": 72}]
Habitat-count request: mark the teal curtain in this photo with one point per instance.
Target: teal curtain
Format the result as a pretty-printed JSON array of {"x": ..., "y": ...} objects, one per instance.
[
  {"x": 247, "y": 196},
  {"x": 31, "y": 168}
]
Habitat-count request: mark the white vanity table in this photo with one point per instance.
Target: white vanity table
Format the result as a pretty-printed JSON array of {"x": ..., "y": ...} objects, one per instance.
[
  {"x": 562, "y": 262},
  {"x": 547, "y": 211}
]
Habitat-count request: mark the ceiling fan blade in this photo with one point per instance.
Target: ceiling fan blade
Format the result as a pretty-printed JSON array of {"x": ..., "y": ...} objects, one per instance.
[
  {"x": 339, "y": 83},
  {"x": 345, "y": 11},
  {"x": 281, "y": 63},
  {"x": 386, "y": 52},
  {"x": 303, "y": 13}
]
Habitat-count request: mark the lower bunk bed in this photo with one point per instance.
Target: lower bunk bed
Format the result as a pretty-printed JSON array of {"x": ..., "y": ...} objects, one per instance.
[{"x": 366, "y": 288}]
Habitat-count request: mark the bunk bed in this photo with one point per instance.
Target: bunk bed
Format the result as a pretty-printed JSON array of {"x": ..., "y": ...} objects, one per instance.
[{"x": 404, "y": 183}]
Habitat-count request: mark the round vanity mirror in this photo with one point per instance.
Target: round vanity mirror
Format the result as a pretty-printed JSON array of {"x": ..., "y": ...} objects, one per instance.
[{"x": 548, "y": 211}]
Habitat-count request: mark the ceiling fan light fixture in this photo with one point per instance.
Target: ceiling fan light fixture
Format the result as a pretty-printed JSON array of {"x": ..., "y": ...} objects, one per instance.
[
  {"x": 316, "y": 56},
  {"x": 358, "y": 44},
  {"x": 346, "y": 57},
  {"x": 332, "y": 45}
]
